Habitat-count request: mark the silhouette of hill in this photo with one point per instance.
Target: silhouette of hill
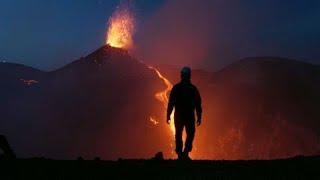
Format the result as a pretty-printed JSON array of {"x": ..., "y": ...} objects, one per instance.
[
  {"x": 100, "y": 105},
  {"x": 97, "y": 105},
  {"x": 260, "y": 107}
]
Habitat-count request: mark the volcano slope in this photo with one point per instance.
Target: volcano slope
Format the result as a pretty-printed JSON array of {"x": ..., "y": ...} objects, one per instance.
[
  {"x": 98, "y": 105},
  {"x": 257, "y": 108}
]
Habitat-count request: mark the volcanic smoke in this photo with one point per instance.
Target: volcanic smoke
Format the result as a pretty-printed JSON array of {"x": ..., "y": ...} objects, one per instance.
[{"x": 120, "y": 33}]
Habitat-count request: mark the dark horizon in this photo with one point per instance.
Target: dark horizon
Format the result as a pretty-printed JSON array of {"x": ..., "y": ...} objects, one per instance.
[{"x": 254, "y": 58}]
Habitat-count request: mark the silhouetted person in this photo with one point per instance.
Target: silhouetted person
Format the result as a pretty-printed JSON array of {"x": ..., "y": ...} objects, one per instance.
[
  {"x": 5, "y": 147},
  {"x": 185, "y": 99}
]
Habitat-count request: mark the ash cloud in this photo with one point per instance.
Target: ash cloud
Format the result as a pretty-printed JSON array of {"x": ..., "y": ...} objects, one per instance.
[
  {"x": 175, "y": 31},
  {"x": 211, "y": 34}
]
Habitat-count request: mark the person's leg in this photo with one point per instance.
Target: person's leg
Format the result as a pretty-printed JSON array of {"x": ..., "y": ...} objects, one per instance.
[
  {"x": 190, "y": 130},
  {"x": 178, "y": 137}
]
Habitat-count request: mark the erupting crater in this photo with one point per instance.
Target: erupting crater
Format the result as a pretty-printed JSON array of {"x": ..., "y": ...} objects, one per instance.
[{"x": 120, "y": 35}]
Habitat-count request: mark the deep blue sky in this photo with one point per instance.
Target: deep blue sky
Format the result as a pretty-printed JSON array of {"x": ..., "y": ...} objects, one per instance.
[{"x": 47, "y": 34}]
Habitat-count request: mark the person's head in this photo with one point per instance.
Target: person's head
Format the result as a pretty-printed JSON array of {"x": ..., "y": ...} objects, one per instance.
[{"x": 185, "y": 73}]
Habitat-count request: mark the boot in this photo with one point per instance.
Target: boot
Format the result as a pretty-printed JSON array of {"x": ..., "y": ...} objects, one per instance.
[
  {"x": 180, "y": 156},
  {"x": 186, "y": 155}
]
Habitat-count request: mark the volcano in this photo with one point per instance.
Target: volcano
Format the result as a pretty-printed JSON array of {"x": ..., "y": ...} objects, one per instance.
[{"x": 101, "y": 104}]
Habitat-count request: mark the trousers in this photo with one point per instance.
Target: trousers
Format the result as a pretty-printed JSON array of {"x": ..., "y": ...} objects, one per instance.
[{"x": 190, "y": 131}]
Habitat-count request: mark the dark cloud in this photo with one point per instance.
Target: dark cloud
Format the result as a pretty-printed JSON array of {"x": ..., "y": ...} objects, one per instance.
[{"x": 211, "y": 34}]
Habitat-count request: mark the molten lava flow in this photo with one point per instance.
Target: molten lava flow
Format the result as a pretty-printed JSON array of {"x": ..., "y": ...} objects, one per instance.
[
  {"x": 162, "y": 96},
  {"x": 29, "y": 82},
  {"x": 121, "y": 28},
  {"x": 120, "y": 32},
  {"x": 154, "y": 121}
]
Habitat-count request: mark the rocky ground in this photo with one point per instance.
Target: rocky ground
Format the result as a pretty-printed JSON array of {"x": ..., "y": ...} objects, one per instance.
[{"x": 293, "y": 168}]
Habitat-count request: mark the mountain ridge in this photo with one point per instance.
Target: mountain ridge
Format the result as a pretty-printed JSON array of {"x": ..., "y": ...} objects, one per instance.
[{"x": 100, "y": 105}]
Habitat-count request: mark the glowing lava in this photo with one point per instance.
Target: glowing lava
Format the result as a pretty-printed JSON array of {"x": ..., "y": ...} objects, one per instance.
[
  {"x": 120, "y": 35},
  {"x": 121, "y": 28},
  {"x": 163, "y": 96}
]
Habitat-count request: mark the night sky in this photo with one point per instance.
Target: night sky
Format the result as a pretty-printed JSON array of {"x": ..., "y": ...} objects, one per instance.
[{"x": 47, "y": 34}]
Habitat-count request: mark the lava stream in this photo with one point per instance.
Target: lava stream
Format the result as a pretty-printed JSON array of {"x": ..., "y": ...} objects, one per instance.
[
  {"x": 163, "y": 96},
  {"x": 119, "y": 35}
]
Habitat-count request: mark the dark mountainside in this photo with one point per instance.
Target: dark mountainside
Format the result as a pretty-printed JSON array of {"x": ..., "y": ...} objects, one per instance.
[
  {"x": 263, "y": 107},
  {"x": 100, "y": 105},
  {"x": 88, "y": 108}
]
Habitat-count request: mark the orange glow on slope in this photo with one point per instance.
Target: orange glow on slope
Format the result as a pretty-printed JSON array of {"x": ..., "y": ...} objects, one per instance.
[
  {"x": 121, "y": 28},
  {"x": 163, "y": 96},
  {"x": 29, "y": 82},
  {"x": 120, "y": 32},
  {"x": 154, "y": 121}
]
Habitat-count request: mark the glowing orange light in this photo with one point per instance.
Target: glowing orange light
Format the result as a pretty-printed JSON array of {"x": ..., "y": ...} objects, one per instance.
[
  {"x": 154, "y": 121},
  {"x": 163, "y": 96},
  {"x": 29, "y": 82},
  {"x": 121, "y": 28},
  {"x": 120, "y": 35}
]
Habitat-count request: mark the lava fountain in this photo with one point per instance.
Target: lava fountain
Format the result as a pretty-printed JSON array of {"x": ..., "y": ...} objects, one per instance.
[
  {"x": 121, "y": 28},
  {"x": 119, "y": 35}
]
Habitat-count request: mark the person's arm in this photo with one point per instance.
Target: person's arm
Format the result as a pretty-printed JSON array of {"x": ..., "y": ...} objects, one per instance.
[
  {"x": 170, "y": 105},
  {"x": 198, "y": 107}
]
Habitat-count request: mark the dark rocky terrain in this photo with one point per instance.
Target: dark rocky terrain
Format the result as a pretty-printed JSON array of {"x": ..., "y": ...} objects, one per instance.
[
  {"x": 97, "y": 105},
  {"x": 100, "y": 105},
  {"x": 293, "y": 168},
  {"x": 259, "y": 107}
]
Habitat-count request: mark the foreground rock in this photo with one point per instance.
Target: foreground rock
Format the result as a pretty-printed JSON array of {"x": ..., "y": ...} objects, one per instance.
[{"x": 294, "y": 168}]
